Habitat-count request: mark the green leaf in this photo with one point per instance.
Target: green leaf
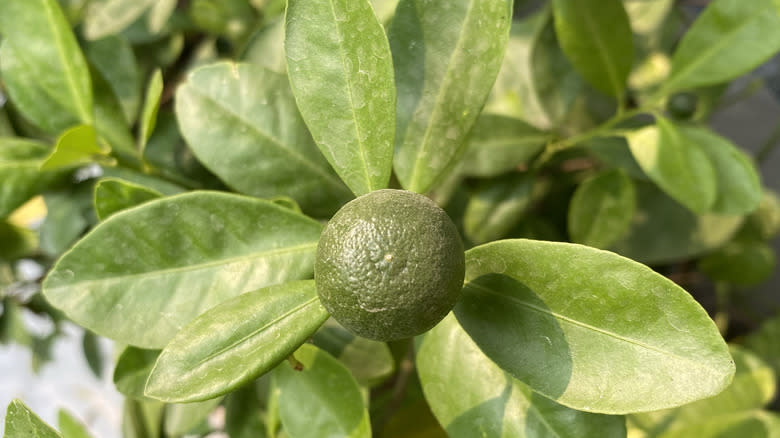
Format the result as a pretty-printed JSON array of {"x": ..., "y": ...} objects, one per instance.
[
  {"x": 243, "y": 413},
  {"x": 369, "y": 361},
  {"x": 65, "y": 221},
  {"x": 753, "y": 424},
  {"x": 171, "y": 259},
  {"x": 90, "y": 346},
  {"x": 663, "y": 231},
  {"x": 21, "y": 422},
  {"x": 601, "y": 209},
  {"x": 647, "y": 17},
  {"x": 20, "y": 161},
  {"x": 236, "y": 342},
  {"x": 110, "y": 122},
  {"x": 76, "y": 146},
  {"x": 17, "y": 241},
  {"x": 596, "y": 36},
  {"x": 341, "y": 73},
  {"x": 449, "y": 363},
  {"x": 496, "y": 206},
  {"x": 540, "y": 310},
  {"x": 150, "y": 108},
  {"x": 142, "y": 179},
  {"x": 498, "y": 144},
  {"x": 159, "y": 14},
  {"x": 680, "y": 168},
  {"x": 142, "y": 418},
  {"x": 132, "y": 371},
  {"x": 114, "y": 60},
  {"x": 109, "y": 17},
  {"x": 738, "y": 182},
  {"x": 765, "y": 342},
  {"x": 113, "y": 195},
  {"x": 742, "y": 262},
  {"x": 446, "y": 57},
  {"x": 728, "y": 39},
  {"x": 38, "y": 43},
  {"x": 266, "y": 48},
  {"x": 322, "y": 399},
  {"x": 251, "y": 112},
  {"x": 764, "y": 222},
  {"x": 181, "y": 419},
  {"x": 70, "y": 427}
]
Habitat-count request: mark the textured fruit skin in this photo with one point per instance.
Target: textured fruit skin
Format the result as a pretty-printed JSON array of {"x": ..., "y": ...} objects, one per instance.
[{"x": 390, "y": 265}]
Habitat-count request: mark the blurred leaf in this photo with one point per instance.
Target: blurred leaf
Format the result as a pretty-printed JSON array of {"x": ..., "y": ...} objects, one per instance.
[
  {"x": 741, "y": 262},
  {"x": 343, "y": 85},
  {"x": 243, "y": 415},
  {"x": 77, "y": 145},
  {"x": 159, "y": 14},
  {"x": 21, "y": 422},
  {"x": 17, "y": 242},
  {"x": 206, "y": 247},
  {"x": 113, "y": 195},
  {"x": 498, "y": 144},
  {"x": 322, "y": 399},
  {"x": 132, "y": 370},
  {"x": 497, "y": 206},
  {"x": 596, "y": 36},
  {"x": 109, "y": 17},
  {"x": 114, "y": 60},
  {"x": 414, "y": 421},
  {"x": 765, "y": 343},
  {"x": 12, "y": 327},
  {"x": 236, "y": 342},
  {"x": 753, "y": 424},
  {"x": 110, "y": 122},
  {"x": 727, "y": 40},
  {"x": 266, "y": 48},
  {"x": 646, "y": 17},
  {"x": 657, "y": 347},
  {"x": 438, "y": 99},
  {"x": 43, "y": 68},
  {"x": 20, "y": 161},
  {"x": 251, "y": 111},
  {"x": 679, "y": 167},
  {"x": 70, "y": 427},
  {"x": 142, "y": 418},
  {"x": 601, "y": 209},
  {"x": 764, "y": 222},
  {"x": 180, "y": 419},
  {"x": 614, "y": 152},
  {"x": 90, "y": 346},
  {"x": 150, "y": 108},
  {"x": 65, "y": 220}
]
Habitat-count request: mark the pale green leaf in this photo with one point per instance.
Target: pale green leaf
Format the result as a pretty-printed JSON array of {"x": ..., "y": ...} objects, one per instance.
[
  {"x": 169, "y": 260},
  {"x": 266, "y": 48},
  {"x": 21, "y": 422},
  {"x": 114, "y": 60},
  {"x": 341, "y": 73},
  {"x": 142, "y": 418},
  {"x": 596, "y": 36},
  {"x": 70, "y": 427},
  {"x": 250, "y": 112},
  {"x": 20, "y": 161},
  {"x": 322, "y": 399},
  {"x": 497, "y": 206},
  {"x": 151, "y": 106},
  {"x": 730, "y": 37},
  {"x": 679, "y": 167},
  {"x": 753, "y": 424},
  {"x": 471, "y": 396},
  {"x": 540, "y": 310},
  {"x": 601, "y": 209},
  {"x": 160, "y": 12},
  {"x": 181, "y": 419},
  {"x": 236, "y": 342},
  {"x": 446, "y": 57},
  {"x": 109, "y": 17},
  {"x": 76, "y": 146},
  {"x": 113, "y": 195}
]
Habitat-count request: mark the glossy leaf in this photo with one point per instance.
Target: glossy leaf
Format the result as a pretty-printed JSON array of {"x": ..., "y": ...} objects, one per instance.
[
  {"x": 449, "y": 363},
  {"x": 341, "y": 73},
  {"x": 151, "y": 106},
  {"x": 70, "y": 427},
  {"x": 322, "y": 399},
  {"x": 132, "y": 370},
  {"x": 601, "y": 209},
  {"x": 50, "y": 60},
  {"x": 20, "y": 160},
  {"x": 181, "y": 419},
  {"x": 170, "y": 260},
  {"x": 596, "y": 36},
  {"x": 446, "y": 57},
  {"x": 738, "y": 182},
  {"x": 75, "y": 146},
  {"x": 110, "y": 17},
  {"x": 498, "y": 144},
  {"x": 728, "y": 39},
  {"x": 369, "y": 361},
  {"x": 21, "y": 422},
  {"x": 113, "y": 195},
  {"x": 496, "y": 206},
  {"x": 662, "y": 231},
  {"x": 741, "y": 262},
  {"x": 114, "y": 60},
  {"x": 680, "y": 168},
  {"x": 541, "y": 322},
  {"x": 250, "y": 112},
  {"x": 236, "y": 342}
]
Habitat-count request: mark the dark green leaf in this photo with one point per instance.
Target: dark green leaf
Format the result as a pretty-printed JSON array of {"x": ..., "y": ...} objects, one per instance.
[
  {"x": 680, "y": 168},
  {"x": 20, "y": 160},
  {"x": 614, "y": 152},
  {"x": 341, "y": 73},
  {"x": 113, "y": 195},
  {"x": 498, "y": 144},
  {"x": 546, "y": 307},
  {"x": 236, "y": 342},
  {"x": 170, "y": 260},
  {"x": 322, "y": 399},
  {"x": 601, "y": 209},
  {"x": 596, "y": 36},
  {"x": 741, "y": 262},
  {"x": 114, "y": 60},
  {"x": 450, "y": 364},
  {"x": 243, "y": 415},
  {"x": 77, "y": 145},
  {"x": 17, "y": 241},
  {"x": 728, "y": 39},
  {"x": 765, "y": 342},
  {"x": 370, "y": 362},
  {"x": 181, "y": 419},
  {"x": 90, "y": 345},
  {"x": 21, "y": 422},
  {"x": 151, "y": 106},
  {"x": 39, "y": 45},
  {"x": 497, "y": 206},
  {"x": 132, "y": 370},
  {"x": 70, "y": 427},
  {"x": 251, "y": 112},
  {"x": 110, "y": 122},
  {"x": 446, "y": 57},
  {"x": 109, "y": 17}
]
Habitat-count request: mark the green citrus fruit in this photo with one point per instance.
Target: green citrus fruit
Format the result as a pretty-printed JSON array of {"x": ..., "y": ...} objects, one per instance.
[{"x": 389, "y": 265}]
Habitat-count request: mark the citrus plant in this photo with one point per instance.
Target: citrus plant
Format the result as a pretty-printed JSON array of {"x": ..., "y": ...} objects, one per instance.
[{"x": 394, "y": 218}]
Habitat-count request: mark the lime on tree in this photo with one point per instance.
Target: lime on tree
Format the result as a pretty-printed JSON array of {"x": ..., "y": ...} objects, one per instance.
[{"x": 390, "y": 265}]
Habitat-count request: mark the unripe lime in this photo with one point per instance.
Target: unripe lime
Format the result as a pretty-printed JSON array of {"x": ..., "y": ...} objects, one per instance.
[
  {"x": 682, "y": 106},
  {"x": 390, "y": 265}
]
